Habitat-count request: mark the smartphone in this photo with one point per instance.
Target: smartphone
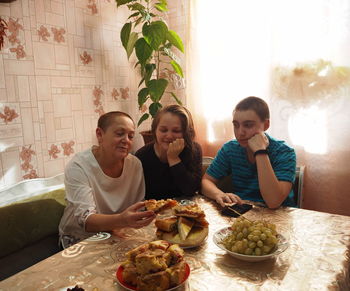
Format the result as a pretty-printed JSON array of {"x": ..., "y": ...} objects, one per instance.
[{"x": 241, "y": 209}]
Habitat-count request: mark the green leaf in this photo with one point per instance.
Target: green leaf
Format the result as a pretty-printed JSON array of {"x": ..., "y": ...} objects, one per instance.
[
  {"x": 131, "y": 43},
  {"x": 155, "y": 33},
  {"x": 137, "y": 22},
  {"x": 143, "y": 118},
  {"x": 143, "y": 50},
  {"x": 142, "y": 96},
  {"x": 143, "y": 79},
  {"x": 175, "y": 40},
  {"x": 149, "y": 69},
  {"x": 176, "y": 99},
  {"x": 134, "y": 14},
  {"x": 136, "y": 7},
  {"x": 154, "y": 107},
  {"x": 170, "y": 54},
  {"x": 125, "y": 34},
  {"x": 177, "y": 68},
  {"x": 122, "y": 2},
  {"x": 161, "y": 7},
  {"x": 157, "y": 88}
]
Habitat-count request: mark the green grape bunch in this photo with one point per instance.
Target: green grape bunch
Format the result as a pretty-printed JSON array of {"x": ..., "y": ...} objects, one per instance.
[{"x": 254, "y": 238}]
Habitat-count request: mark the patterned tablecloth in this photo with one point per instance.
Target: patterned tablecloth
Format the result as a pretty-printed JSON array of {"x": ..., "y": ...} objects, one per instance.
[{"x": 318, "y": 257}]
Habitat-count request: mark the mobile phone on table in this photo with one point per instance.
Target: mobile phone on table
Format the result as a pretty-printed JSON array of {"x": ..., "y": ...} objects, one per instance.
[{"x": 236, "y": 210}]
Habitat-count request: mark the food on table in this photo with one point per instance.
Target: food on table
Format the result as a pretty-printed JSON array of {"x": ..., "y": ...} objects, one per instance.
[
  {"x": 158, "y": 206},
  {"x": 187, "y": 227},
  {"x": 184, "y": 227},
  {"x": 155, "y": 266},
  {"x": 167, "y": 224},
  {"x": 254, "y": 238},
  {"x": 76, "y": 288},
  {"x": 190, "y": 210}
]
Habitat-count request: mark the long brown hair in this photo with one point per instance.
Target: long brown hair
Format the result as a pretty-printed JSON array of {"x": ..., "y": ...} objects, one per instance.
[{"x": 186, "y": 123}]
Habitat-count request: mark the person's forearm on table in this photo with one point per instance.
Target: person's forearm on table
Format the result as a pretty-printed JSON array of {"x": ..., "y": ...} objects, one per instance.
[
  {"x": 209, "y": 189},
  {"x": 103, "y": 222}
]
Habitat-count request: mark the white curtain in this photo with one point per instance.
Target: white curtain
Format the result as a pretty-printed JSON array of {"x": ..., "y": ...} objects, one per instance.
[{"x": 295, "y": 54}]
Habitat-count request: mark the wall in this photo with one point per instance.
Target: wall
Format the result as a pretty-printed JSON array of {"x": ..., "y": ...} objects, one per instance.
[{"x": 62, "y": 65}]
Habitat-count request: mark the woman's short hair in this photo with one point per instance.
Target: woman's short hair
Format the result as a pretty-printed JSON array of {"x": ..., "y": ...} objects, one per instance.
[
  {"x": 258, "y": 105},
  {"x": 186, "y": 122},
  {"x": 107, "y": 119}
]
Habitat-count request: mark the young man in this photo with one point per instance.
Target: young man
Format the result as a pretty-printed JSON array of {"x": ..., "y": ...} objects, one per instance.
[{"x": 262, "y": 168}]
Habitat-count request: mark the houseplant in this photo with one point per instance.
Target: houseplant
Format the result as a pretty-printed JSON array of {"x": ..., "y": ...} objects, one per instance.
[{"x": 147, "y": 33}]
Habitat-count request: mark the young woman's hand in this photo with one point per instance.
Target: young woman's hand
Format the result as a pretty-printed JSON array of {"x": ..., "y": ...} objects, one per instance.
[
  {"x": 258, "y": 141},
  {"x": 137, "y": 219},
  {"x": 175, "y": 148}
]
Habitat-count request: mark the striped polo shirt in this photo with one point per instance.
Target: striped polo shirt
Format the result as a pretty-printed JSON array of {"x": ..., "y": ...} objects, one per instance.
[{"x": 232, "y": 159}]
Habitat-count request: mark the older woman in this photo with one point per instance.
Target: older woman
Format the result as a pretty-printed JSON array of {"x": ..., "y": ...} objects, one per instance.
[
  {"x": 104, "y": 184},
  {"x": 172, "y": 164}
]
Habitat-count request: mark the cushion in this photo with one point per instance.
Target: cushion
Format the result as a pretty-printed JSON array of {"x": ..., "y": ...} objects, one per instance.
[
  {"x": 30, "y": 220},
  {"x": 59, "y": 195}
]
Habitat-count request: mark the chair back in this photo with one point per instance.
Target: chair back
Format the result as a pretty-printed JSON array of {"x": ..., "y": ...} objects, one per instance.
[{"x": 298, "y": 186}]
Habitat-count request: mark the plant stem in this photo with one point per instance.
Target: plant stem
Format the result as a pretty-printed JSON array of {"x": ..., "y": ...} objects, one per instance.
[{"x": 158, "y": 68}]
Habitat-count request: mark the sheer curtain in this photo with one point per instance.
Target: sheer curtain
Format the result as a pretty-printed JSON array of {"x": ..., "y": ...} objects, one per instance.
[{"x": 295, "y": 55}]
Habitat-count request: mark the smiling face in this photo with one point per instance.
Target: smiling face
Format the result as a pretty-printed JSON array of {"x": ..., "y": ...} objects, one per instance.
[
  {"x": 168, "y": 129},
  {"x": 246, "y": 124},
  {"x": 116, "y": 139}
]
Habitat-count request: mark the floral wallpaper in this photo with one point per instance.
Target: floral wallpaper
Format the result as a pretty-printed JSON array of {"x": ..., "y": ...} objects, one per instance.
[{"x": 62, "y": 65}]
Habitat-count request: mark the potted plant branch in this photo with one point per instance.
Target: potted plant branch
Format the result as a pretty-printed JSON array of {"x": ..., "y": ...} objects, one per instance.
[{"x": 147, "y": 33}]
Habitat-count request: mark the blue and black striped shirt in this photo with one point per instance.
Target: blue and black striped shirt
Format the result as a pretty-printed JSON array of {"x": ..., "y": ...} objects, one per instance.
[{"x": 232, "y": 159}]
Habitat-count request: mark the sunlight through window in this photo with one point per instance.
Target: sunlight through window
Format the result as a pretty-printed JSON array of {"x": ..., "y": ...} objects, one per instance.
[
  {"x": 307, "y": 128},
  {"x": 239, "y": 45}
]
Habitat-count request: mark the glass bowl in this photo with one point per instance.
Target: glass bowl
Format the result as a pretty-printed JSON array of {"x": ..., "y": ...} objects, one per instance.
[{"x": 218, "y": 237}]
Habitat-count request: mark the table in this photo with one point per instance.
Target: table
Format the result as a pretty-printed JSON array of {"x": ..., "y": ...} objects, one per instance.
[{"x": 318, "y": 257}]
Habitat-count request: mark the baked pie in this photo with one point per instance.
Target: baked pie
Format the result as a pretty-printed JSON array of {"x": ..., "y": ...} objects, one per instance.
[
  {"x": 187, "y": 227},
  {"x": 158, "y": 206},
  {"x": 155, "y": 266}
]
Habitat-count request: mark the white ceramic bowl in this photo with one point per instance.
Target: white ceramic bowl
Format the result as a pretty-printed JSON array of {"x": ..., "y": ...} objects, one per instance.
[{"x": 218, "y": 237}]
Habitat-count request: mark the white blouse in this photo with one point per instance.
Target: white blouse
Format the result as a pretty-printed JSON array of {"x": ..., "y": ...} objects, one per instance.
[{"x": 89, "y": 190}]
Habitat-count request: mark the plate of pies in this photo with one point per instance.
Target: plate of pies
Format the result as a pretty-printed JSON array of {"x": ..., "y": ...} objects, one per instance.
[
  {"x": 158, "y": 265},
  {"x": 186, "y": 225}
]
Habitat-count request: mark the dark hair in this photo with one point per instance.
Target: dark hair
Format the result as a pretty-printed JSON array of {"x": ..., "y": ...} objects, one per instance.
[
  {"x": 186, "y": 123},
  {"x": 106, "y": 119},
  {"x": 258, "y": 105}
]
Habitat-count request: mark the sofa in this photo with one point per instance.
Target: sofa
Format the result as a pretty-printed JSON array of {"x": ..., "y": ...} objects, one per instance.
[{"x": 30, "y": 213}]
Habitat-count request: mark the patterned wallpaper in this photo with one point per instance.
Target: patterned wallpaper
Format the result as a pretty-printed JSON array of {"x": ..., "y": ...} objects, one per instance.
[{"x": 61, "y": 66}]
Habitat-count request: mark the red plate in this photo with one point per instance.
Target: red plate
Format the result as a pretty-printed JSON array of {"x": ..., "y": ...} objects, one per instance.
[{"x": 121, "y": 281}]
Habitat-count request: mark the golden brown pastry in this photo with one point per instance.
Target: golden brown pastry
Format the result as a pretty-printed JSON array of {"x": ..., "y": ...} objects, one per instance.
[
  {"x": 155, "y": 266},
  {"x": 158, "y": 206},
  {"x": 129, "y": 273},
  {"x": 177, "y": 273},
  {"x": 194, "y": 238},
  {"x": 191, "y": 210},
  {"x": 176, "y": 253},
  {"x": 159, "y": 244},
  {"x": 134, "y": 252},
  {"x": 184, "y": 226},
  {"x": 167, "y": 224},
  {"x": 150, "y": 261}
]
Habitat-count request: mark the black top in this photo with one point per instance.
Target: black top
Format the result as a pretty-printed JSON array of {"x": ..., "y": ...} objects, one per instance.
[{"x": 162, "y": 181}]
